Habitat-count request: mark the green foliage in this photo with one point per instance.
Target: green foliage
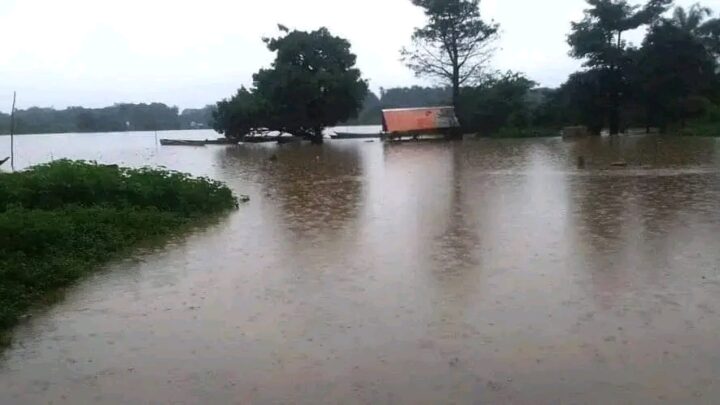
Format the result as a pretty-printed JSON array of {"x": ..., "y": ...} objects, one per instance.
[
  {"x": 312, "y": 84},
  {"x": 239, "y": 115},
  {"x": 675, "y": 74},
  {"x": 191, "y": 118},
  {"x": 706, "y": 125},
  {"x": 598, "y": 39},
  {"x": 60, "y": 221},
  {"x": 454, "y": 46},
  {"x": 415, "y": 96},
  {"x": 496, "y": 103},
  {"x": 504, "y": 105},
  {"x": 66, "y": 182},
  {"x": 670, "y": 80},
  {"x": 371, "y": 112},
  {"x": 582, "y": 100}
]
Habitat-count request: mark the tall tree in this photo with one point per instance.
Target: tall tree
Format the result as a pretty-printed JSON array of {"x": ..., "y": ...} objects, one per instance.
[
  {"x": 312, "y": 84},
  {"x": 697, "y": 22},
  {"x": 598, "y": 39},
  {"x": 676, "y": 69},
  {"x": 455, "y": 45}
]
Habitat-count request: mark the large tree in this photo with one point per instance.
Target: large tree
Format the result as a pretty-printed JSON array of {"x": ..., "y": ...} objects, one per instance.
[
  {"x": 312, "y": 84},
  {"x": 696, "y": 21},
  {"x": 455, "y": 45},
  {"x": 676, "y": 68},
  {"x": 598, "y": 39}
]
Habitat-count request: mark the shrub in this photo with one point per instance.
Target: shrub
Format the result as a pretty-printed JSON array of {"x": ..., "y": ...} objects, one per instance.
[{"x": 61, "y": 220}]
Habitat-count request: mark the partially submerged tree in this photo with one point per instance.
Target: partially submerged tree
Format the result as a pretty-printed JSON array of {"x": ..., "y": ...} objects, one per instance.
[
  {"x": 239, "y": 115},
  {"x": 454, "y": 46},
  {"x": 676, "y": 69},
  {"x": 581, "y": 100},
  {"x": 498, "y": 102},
  {"x": 312, "y": 84},
  {"x": 598, "y": 39}
]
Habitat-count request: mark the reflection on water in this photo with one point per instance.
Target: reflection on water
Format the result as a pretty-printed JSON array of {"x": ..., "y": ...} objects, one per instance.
[{"x": 476, "y": 271}]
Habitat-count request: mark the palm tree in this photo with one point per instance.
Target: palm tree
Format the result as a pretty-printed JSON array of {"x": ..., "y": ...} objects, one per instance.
[
  {"x": 690, "y": 20},
  {"x": 694, "y": 21}
]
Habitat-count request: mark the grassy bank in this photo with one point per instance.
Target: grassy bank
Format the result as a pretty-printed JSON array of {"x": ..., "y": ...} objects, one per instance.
[{"x": 63, "y": 220}]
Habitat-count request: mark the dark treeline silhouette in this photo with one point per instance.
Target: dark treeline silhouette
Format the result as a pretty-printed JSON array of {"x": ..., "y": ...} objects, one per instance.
[
  {"x": 506, "y": 104},
  {"x": 669, "y": 81},
  {"x": 119, "y": 117}
]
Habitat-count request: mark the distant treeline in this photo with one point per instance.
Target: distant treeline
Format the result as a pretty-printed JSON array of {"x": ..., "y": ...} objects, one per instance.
[
  {"x": 670, "y": 81},
  {"x": 119, "y": 117},
  {"x": 504, "y": 101}
]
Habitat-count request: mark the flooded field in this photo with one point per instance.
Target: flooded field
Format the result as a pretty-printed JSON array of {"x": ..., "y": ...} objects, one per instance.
[{"x": 483, "y": 271}]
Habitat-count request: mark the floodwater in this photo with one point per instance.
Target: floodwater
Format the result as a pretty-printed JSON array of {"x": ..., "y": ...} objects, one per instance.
[{"x": 483, "y": 271}]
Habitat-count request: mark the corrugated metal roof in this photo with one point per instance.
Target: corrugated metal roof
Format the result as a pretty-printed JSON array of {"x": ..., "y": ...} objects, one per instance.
[{"x": 412, "y": 120}]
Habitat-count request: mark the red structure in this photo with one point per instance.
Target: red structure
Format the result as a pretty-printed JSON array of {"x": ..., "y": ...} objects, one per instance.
[{"x": 419, "y": 121}]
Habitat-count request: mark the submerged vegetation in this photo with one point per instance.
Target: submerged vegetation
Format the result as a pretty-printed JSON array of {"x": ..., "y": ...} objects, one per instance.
[
  {"x": 61, "y": 220},
  {"x": 312, "y": 84}
]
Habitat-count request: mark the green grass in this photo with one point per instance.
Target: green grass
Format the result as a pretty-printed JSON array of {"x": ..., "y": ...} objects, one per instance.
[{"x": 63, "y": 220}]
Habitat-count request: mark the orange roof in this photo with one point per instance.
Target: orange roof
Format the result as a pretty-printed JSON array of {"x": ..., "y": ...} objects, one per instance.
[{"x": 419, "y": 119}]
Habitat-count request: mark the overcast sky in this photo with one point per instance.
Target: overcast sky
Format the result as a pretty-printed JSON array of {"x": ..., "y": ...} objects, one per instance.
[{"x": 191, "y": 53}]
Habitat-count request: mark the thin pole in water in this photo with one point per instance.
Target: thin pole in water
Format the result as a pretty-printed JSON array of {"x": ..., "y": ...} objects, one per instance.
[{"x": 12, "y": 134}]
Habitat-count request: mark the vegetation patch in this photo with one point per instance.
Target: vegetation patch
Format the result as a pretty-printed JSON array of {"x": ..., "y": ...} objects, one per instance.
[{"x": 61, "y": 221}]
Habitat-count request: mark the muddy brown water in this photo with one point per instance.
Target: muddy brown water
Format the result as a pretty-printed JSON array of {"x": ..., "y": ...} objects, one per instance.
[{"x": 470, "y": 272}]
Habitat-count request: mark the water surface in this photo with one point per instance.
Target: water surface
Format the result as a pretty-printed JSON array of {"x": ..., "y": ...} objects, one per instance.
[{"x": 483, "y": 271}]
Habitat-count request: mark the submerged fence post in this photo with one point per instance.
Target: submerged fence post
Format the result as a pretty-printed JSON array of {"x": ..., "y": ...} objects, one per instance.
[{"x": 12, "y": 134}]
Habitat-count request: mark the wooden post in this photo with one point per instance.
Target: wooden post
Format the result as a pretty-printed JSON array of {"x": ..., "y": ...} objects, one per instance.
[{"x": 12, "y": 134}]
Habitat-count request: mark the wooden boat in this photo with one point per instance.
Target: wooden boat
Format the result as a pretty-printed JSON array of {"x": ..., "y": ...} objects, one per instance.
[
  {"x": 259, "y": 139},
  {"x": 221, "y": 141},
  {"x": 181, "y": 142},
  {"x": 350, "y": 135}
]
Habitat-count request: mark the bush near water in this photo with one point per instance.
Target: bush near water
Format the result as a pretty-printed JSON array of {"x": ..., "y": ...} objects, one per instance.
[{"x": 60, "y": 221}]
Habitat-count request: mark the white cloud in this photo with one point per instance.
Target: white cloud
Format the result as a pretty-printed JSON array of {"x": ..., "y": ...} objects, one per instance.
[{"x": 190, "y": 52}]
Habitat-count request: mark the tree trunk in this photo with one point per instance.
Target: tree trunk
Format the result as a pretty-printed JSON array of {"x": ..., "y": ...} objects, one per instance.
[
  {"x": 455, "y": 80},
  {"x": 456, "y": 133},
  {"x": 614, "y": 119},
  {"x": 613, "y": 116},
  {"x": 317, "y": 137}
]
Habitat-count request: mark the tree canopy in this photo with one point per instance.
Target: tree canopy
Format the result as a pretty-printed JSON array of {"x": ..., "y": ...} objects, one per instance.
[
  {"x": 454, "y": 46},
  {"x": 312, "y": 84},
  {"x": 598, "y": 39}
]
